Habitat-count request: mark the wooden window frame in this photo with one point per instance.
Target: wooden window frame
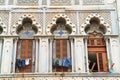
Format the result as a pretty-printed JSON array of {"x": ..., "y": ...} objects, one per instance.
[
  {"x": 61, "y": 53},
  {"x": 26, "y": 55},
  {"x": 97, "y": 49}
]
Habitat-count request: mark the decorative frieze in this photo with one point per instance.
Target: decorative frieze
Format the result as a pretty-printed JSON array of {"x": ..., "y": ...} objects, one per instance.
[
  {"x": 60, "y": 2},
  {"x": 92, "y": 1},
  {"x": 62, "y": 78},
  {"x": 27, "y": 1}
]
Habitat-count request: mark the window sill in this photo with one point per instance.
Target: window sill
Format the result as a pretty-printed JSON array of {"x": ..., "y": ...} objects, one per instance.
[{"x": 60, "y": 74}]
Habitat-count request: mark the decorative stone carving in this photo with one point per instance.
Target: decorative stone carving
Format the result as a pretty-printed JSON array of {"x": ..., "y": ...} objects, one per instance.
[
  {"x": 27, "y": 1},
  {"x": 63, "y": 78},
  {"x": 67, "y": 22},
  {"x": 4, "y": 27},
  {"x": 7, "y": 56},
  {"x": 87, "y": 22},
  {"x": 92, "y": 1},
  {"x": 60, "y": 2},
  {"x": 13, "y": 31},
  {"x": 2, "y": 1}
]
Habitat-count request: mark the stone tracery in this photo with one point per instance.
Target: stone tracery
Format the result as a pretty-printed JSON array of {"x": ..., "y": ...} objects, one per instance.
[
  {"x": 67, "y": 23},
  {"x": 3, "y": 27},
  {"x": 20, "y": 23},
  {"x": 101, "y": 22}
]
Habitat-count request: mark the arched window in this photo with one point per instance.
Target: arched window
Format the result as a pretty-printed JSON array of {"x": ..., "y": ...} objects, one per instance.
[
  {"x": 97, "y": 54},
  {"x": 61, "y": 46},
  {"x": 25, "y": 57}
]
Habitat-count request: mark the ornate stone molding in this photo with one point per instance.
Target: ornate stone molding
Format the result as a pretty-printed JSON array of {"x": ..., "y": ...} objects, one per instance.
[
  {"x": 4, "y": 27},
  {"x": 54, "y": 22},
  {"x": 19, "y": 22},
  {"x": 108, "y": 29}
]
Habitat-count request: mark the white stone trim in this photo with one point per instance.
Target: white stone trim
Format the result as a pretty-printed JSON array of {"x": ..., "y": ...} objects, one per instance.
[
  {"x": 3, "y": 26},
  {"x": 54, "y": 22},
  {"x": 107, "y": 26},
  {"x": 14, "y": 54},
  {"x": 19, "y": 22}
]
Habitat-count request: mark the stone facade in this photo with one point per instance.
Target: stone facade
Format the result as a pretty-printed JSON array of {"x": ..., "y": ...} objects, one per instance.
[{"x": 43, "y": 17}]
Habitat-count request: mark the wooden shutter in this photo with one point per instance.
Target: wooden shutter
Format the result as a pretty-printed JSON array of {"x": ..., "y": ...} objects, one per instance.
[
  {"x": 61, "y": 52},
  {"x": 101, "y": 61},
  {"x": 58, "y": 50},
  {"x": 26, "y": 51},
  {"x": 61, "y": 48}
]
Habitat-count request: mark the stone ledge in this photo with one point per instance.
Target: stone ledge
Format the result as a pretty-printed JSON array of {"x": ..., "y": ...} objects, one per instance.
[{"x": 59, "y": 74}]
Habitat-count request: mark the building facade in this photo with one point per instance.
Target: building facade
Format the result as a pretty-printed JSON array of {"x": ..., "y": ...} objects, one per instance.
[{"x": 59, "y": 39}]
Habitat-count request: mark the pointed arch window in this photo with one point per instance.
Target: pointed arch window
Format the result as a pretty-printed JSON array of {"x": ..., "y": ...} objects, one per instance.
[
  {"x": 25, "y": 57},
  {"x": 96, "y": 45},
  {"x": 61, "y": 46}
]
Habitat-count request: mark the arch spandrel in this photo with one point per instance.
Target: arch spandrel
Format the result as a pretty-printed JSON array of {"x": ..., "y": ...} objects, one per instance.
[
  {"x": 68, "y": 22},
  {"x": 19, "y": 22},
  {"x": 102, "y": 22},
  {"x": 3, "y": 27}
]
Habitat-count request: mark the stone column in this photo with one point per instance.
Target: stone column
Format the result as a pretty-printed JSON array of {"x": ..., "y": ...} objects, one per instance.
[
  {"x": 14, "y": 55},
  {"x": 86, "y": 55},
  {"x": 79, "y": 55},
  {"x": 72, "y": 55},
  {"x": 50, "y": 55},
  {"x": 43, "y": 55},
  {"x": 1, "y": 50},
  {"x": 7, "y": 56},
  {"x": 115, "y": 53},
  {"x": 36, "y": 54},
  {"x": 108, "y": 51}
]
